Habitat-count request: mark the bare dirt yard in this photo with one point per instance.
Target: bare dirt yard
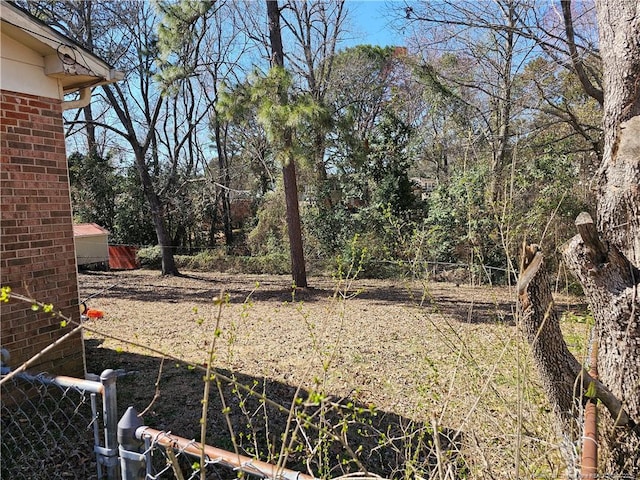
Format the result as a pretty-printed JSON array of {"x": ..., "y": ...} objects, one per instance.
[{"x": 370, "y": 369}]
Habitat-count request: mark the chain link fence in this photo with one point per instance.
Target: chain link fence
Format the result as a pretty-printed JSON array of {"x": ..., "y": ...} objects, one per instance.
[
  {"x": 52, "y": 427},
  {"x": 150, "y": 454},
  {"x": 67, "y": 428}
]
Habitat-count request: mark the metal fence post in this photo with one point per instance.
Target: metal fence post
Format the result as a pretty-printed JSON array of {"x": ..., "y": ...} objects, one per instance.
[
  {"x": 108, "y": 455},
  {"x": 132, "y": 463}
]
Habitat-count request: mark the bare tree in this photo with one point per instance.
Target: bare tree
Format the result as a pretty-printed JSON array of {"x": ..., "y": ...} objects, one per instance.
[
  {"x": 137, "y": 104},
  {"x": 123, "y": 33},
  {"x": 202, "y": 47},
  {"x": 484, "y": 36}
]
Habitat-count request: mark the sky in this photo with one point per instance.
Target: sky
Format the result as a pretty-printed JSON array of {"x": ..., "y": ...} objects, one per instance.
[{"x": 371, "y": 23}]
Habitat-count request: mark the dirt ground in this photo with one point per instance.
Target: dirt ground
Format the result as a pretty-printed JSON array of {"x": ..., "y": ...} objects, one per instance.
[{"x": 411, "y": 354}]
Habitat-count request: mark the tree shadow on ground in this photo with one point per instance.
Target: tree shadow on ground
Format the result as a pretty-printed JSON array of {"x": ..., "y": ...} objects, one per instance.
[
  {"x": 326, "y": 428},
  {"x": 467, "y": 304},
  {"x": 464, "y": 303}
]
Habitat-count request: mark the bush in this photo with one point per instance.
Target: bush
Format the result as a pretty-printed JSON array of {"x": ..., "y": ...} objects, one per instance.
[
  {"x": 269, "y": 236},
  {"x": 205, "y": 261},
  {"x": 366, "y": 256},
  {"x": 150, "y": 257},
  {"x": 219, "y": 261},
  {"x": 273, "y": 263}
]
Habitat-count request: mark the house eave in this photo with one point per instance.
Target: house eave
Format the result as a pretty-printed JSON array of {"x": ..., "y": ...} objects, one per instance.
[{"x": 73, "y": 66}]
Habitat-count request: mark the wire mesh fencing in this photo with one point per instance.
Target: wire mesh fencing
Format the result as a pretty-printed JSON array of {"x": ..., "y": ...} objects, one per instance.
[
  {"x": 150, "y": 454},
  {"x": 53, "y": 428},
  {"x": 67, "y": 428}
]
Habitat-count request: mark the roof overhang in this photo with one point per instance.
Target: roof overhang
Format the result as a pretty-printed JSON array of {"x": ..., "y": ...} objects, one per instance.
[
  {"x": 75, "y": 67},
  {"x": 88, "y": 230}
]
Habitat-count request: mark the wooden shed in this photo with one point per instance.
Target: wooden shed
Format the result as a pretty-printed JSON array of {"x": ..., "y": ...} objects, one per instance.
[{"x": 92, "y": 244}]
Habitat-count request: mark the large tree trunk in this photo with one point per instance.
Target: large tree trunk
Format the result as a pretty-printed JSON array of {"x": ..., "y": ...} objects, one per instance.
[
  {"x": 612, "y": 285},
  {"x": 605, "y": 258},
  {"x": 294, "y": 229},
  {"x": 565, "y": 381},
  {"x": 164, "y": 239}
]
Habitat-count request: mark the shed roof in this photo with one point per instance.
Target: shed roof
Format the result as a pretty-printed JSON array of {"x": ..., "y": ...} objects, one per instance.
[
  {"x": 73, "y": 65},
  {"x": 88, "y": 230}
]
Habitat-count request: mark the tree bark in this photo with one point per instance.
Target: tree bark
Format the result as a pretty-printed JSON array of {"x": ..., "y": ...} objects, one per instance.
[
  {"x": 164, "y": 239},
  {"x": 610, "y": 275},
  {"x": 565, "y": 381},
  {"x": 294, "y": 229},
  {"x": 605, "y": 257},
  {"x": 610, "y": 283},
  {"x": 558, "y": 368}
]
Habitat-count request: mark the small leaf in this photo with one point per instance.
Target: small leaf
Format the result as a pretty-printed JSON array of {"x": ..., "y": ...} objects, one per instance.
[
  {"x": 591, "y": 391},
  {"x": 5, "y": 293},
  {"x": 63, "y": 323},
  {"x": 35, "y": 307}
]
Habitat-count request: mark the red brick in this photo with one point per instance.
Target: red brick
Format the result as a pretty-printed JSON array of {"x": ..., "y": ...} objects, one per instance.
[
  {"x": 28, "y": 109},
  {"x": 16, "y": 116},
  {"x": 39, "y": 104},
  {"x": 35, "y": 184},
  {"x": 20, "y": 145}
]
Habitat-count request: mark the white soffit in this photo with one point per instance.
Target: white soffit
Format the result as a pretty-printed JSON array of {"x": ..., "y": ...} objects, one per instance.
[{"x": 73, "y": 66}]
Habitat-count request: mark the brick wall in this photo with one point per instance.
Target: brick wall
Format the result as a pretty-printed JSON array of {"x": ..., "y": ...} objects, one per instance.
[{"x": 37, "y": 256}]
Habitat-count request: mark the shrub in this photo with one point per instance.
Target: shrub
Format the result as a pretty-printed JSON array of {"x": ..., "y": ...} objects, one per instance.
[
  {"x": 366, "y": 256},
  {"x": 204, "y": 261},
  {"x": 270, "y": 233},
  {"x": 272, "y": 263},
  {"x": 219, "y": 261},
  {"x": 150, "y": 257}
]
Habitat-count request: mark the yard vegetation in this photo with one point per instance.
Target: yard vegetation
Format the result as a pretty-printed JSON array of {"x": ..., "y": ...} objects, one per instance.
[
  {"x": 381, "y": 364},
  {"x": 260, "y": 137}
]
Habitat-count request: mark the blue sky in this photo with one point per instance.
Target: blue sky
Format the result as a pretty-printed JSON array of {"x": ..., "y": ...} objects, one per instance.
[{"x": 371, "y": 23}]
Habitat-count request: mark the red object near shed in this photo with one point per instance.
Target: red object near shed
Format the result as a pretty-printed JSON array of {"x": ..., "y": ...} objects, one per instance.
[{"x": 123, "y": 257}]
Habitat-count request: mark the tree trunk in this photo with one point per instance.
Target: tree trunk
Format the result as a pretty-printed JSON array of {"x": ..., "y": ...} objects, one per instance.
[
  {"x": 294, "y": 229},
  {"x": 605, "y": 258},
  {"x": 502, "y": 147},
  {"x": 612, "y": 286},
  {"x": 610, "y": 283},
  {"x": 557, "y": 366},
  {"x": 117, "y": 101},
  {"x": 225, "y": 181},
  {"x": 164, "y": 239}
]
